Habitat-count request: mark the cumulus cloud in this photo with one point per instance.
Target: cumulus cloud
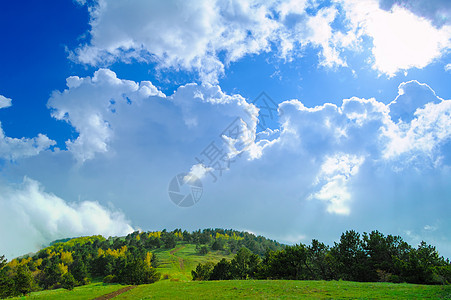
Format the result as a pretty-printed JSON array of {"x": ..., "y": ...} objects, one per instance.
[
  {"x": 14, "y": 148},
  {"x": 177, "y": 34},
  {"x": 99, "y": 108},
  {"x": 412, "y": 131},
  {"x": 30, "y": 218},
  {"x": 416, "y": 123},
  {"x": 206, "y": 36},
  {"x": 4, "y": 102},
  {"x": 90, "y": 118},
  {"x": 421, "y": 123},
  {"x": 193, "y": 36},
  {"x": 401, "y": 40}
]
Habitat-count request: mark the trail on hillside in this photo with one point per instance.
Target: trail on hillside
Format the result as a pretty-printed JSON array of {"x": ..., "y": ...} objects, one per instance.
[
  {"x": 177, "y": 249},
  {"x": 116, "y": 293},
  {"x": 181, "y": 262}
]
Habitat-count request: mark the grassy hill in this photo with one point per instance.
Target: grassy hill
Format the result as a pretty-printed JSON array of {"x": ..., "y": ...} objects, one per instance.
[
  {"x": 176, "y": 264},
  {"x": 138, "y": 258}
]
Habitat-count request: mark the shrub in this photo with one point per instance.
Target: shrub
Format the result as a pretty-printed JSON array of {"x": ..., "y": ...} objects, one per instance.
[
  {"x": 109, "y": 279},
  {"x": 68, "y": 281}
]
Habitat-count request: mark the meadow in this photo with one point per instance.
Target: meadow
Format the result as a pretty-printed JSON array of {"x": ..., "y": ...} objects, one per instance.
[
  {"x": 255, "y": 289},
  {"x": 177, "y": 263}
]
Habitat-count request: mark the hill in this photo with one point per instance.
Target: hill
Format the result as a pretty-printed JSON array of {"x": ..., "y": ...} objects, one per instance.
[{"x": 138, "y": 258}]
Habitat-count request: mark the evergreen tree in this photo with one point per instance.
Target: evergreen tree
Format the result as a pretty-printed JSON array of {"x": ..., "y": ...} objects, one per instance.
[
  {"x": 68, "y": 281},
  {"x": 23, "y": 280}
]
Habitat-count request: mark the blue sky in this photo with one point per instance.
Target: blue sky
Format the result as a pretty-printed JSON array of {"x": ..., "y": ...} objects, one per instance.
[{"x": 103, "y": 102}]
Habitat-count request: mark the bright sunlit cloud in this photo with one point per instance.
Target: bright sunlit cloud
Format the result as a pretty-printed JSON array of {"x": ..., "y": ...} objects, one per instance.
[{"x": 401, "y": 40}]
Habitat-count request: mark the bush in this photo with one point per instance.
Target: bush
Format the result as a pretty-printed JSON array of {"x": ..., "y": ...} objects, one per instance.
[
  {"x": 442, "y": 275},
  {"x": 6, "y": 285},
  {"x": 394, "y": 279},
  {"x": 68, "y": 281},
  {"x": 218, "y": 244},
  {"x": 203, "y": 271},
  {"x": 109, "y": 279},
  {"x": 136, "y": 271},
  {"x": 203, "y": 250}
]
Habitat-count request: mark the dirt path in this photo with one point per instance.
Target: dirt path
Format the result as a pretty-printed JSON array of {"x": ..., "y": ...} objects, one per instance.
[
  {"x": 176, "y": 250},
  {"x": 181, "y": 263},
  {"x": 116, "y": 293}
]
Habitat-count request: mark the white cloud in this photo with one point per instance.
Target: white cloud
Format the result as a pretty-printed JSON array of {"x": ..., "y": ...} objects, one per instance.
[
  {"x": 193, "y": 35},
  {"x": 401, "y": 40},
  {"x": 413, "y": 127},
  {"x": 14, "y": 148},
  {"x": 99, "y": 108},
  {"x": 343, "y": 164},
  {"x": 206, "y": 36},
  {"x": 177, "y": 34},
  {"x": 422, "y": 123},
  {"x": 197, "y": 171},
  {"x": 292, "y": 238},
  {"x": 322, "y": 35},
  {"x": 4, "y": 102},
  {"x": 333, "y": 178},
  {"x": 448, "y": 68},
  {"x": 430, "y": 228},
  {"x": 354, "y": 127},
  {"x": 90, "y": 117},
  {"x": 335, "y": 140},
  {"x": 31, "y": 218}
]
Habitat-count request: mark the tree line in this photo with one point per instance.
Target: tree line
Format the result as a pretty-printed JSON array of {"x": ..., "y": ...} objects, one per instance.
[{"x": 365, "y": 258}]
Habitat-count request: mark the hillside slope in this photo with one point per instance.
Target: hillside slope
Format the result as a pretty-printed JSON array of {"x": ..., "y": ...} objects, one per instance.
[{"x": 138, "y": 258}]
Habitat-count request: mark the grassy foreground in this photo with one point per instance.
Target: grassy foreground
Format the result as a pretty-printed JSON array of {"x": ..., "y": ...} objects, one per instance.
[
  {"x": 285, "y": 289},
  {"x": 89, "y": 291},
  {"x": 260, "y": 289}
]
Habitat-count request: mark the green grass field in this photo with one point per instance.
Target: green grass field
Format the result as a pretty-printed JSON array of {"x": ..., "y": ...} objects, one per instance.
[
  {"x": 285, "y": 289},
  {"x": 260, "y": 289},
  {"x": 89, "y": 291}
]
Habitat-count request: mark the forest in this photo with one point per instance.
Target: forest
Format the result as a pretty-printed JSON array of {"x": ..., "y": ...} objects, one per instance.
[
  {"x": 130, "y": 260},
  {"x": 365, "y": 258}
]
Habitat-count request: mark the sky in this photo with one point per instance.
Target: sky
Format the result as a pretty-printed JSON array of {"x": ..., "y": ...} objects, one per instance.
[{"x": 295, "y": 120}]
